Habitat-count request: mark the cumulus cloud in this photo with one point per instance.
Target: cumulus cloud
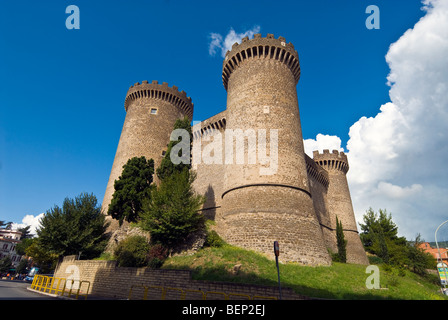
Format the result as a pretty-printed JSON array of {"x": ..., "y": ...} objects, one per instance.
[
  {"x": 322, "y": 142},
  {"x": 29, "y": 220},
  {"x": 223, "y": 44},
  {"x": 398, "y": 158}
]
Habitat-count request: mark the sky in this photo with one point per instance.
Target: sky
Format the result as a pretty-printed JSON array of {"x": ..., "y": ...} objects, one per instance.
[{"x": 380, "y": 95}]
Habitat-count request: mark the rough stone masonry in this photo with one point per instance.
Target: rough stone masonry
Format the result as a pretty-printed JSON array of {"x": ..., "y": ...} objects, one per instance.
[{"x": 297, "y": 203}]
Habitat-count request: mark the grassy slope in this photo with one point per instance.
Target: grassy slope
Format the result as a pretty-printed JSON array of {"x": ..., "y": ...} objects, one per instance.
[{"x": 340, "y": 281}]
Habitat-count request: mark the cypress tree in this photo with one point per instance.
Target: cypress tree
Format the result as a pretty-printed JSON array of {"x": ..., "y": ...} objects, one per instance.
[{"x": 341, "y": 242}]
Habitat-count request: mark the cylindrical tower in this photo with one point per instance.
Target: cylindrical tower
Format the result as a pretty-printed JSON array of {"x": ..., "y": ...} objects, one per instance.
[
  {"x": 151, "y": 111},
  {"x": 266, "y": 201},
  {"x": 339, "y": 202}
]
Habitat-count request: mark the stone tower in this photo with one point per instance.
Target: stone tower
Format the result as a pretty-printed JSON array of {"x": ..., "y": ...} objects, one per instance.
[
  {"x": 258, "y": 208},
  {"x": 339, "y": 202},
  {"x": 151, "y": 111}
]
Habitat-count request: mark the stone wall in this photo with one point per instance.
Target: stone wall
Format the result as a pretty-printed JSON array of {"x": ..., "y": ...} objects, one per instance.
[
  {"x": 339, "y": 203},
  {"x": 109, "y": 281},
  {"x": 260, "y": 206},
  {"x": 210, "y": 176},
  {"x": 297, "y": 204},
  {"x": 151, "y": 112}
]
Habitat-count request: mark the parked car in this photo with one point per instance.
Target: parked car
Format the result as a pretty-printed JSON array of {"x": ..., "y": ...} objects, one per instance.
[{"x": 31, "y": 274}]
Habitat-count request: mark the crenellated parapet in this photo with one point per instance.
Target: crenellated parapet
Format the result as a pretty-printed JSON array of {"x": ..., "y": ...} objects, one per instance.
[
  {"x": 203, "y": 128},
  {"x": 261, "y": 48},
  {"x": 332, "y": 161},
  {"x": 316, "y": 171},
  {"x": 154, "y": 90}
]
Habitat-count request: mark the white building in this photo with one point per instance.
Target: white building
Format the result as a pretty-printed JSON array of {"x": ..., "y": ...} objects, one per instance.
[{"x": 8, "y": 242}]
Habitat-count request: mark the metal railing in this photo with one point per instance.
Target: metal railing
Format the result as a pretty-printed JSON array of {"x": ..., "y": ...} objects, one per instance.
[
  {"x": 182, "y": 293},
  {"x": 60, "y": 286}
]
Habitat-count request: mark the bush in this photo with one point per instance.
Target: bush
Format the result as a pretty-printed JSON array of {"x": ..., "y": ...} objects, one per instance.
[
  {"x": 172, "y": 213},
  {"x": 132, "y": 252},
  {"x": 213, "y": 240},
  {"x": 375, "y": 260},
  {"x": 157, "y": 256}
]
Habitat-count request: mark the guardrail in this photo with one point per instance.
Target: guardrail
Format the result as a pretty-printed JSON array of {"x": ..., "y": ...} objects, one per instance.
[
  {"x": 59, "y": 286},
  {"x": 184, "y": 292}
]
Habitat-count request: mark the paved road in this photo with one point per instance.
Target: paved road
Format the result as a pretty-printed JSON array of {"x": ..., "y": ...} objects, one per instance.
[{"x": 16, "y": 290}]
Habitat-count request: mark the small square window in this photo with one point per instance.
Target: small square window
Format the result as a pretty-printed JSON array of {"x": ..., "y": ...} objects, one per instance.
[{"x": 153, "y": 111}]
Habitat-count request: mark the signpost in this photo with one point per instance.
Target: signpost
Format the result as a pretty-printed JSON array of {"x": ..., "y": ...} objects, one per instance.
[
  {"x": 277, "y": 253},
  {"x": 443, "y": 271}
]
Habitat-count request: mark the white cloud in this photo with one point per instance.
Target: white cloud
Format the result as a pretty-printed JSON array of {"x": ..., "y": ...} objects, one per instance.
[
  {"x": 218, "y": 42},
  {"x": 322, "y": 142},
  {"x": 29, "y": 220},
  {"x": 398, "y": 158},
  {"x": 215, "y": 44},
  {"x": 395, "y": 192}
]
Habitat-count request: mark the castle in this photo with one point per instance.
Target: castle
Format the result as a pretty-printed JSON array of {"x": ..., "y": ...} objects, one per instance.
[{"x": 297, "y": 203}]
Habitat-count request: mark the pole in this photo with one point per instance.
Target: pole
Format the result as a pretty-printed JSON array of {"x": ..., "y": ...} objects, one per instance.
[
  {"x": 277, "y": 252},
  {"x": 435, "y": 237}
]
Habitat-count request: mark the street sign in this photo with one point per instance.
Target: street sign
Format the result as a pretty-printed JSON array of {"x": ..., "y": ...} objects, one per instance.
[
  {"x": 443, "y": 273},
  {"x": 276, "y": 249},
  {"x": 277, "y": 253}
]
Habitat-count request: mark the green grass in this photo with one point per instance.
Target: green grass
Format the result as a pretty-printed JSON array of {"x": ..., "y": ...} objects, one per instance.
[{"x": 338, "y": 281}]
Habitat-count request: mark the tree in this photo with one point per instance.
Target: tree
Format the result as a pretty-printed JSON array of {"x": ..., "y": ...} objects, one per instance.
[
  {"x": 167, "y": 167},
  {"x": 380, "y": 237},
  {"x": 172, "y": 213},
  {"x": 43, "y": 258},
  {"x": 341, "y": 242},
  {"x": 25, "y": 233},
  {"x": 23, "y": 245},
  {"x": 380, "y": 246},
  {"x": 5, "y": 264},
  {"x": 131, "y": 188},
  {"x": 5, "y": 225},
  {"x": 79, "y": 226},
  {"x": 22, "y": 266},
  {"x": 417, "y": 259},
  {"x": 379, "y": 231}
]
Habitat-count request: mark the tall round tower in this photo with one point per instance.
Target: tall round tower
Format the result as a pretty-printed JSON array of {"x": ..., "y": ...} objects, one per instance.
[
  {"x": 265, "y": 202},
  {"x": 151, "y": 111},
  {"x": 339, "y": 202}
]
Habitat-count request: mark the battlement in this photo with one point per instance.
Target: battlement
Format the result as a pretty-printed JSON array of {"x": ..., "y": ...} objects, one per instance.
[
  {"x": 316, "y": 171},
  {"x": 331, "y": 161},
  {"x": 217, "y": 122},
  {"x": 260, "y": 48},
  {"x": 154, "y": 90}
]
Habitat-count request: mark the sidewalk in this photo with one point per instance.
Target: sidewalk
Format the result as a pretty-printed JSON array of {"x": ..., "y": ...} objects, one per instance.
[{"x": 72, "y": 297}]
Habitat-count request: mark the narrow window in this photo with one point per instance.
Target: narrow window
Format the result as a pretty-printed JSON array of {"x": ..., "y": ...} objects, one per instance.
[{"x": 153, "y": 111}]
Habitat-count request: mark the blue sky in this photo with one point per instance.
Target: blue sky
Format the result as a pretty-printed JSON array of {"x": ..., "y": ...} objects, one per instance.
[{"x": 62, "y": 91}]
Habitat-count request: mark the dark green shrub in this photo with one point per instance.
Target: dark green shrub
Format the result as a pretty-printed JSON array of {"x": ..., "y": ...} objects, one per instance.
[
  {"x": 172, "y": 213},
  {"x": 213, "y": 240},
  {"x": 375, "y": 260},
  {"x": 132, "y": 252}
]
